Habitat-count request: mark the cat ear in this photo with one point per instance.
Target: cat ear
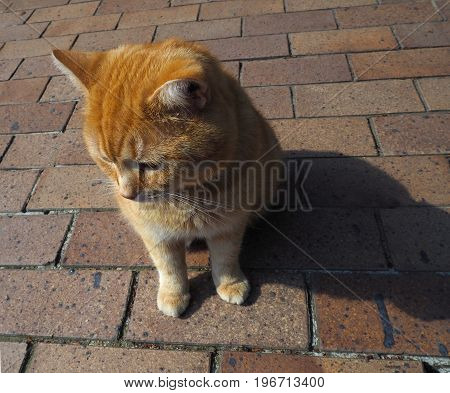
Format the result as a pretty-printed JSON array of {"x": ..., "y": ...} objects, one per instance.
[
  {"x": 183, "y": 94},
  {"x": 81, "y": 67}
]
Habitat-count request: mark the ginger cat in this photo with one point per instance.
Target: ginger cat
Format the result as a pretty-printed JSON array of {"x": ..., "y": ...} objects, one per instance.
[{"x": 152, "y": 109}]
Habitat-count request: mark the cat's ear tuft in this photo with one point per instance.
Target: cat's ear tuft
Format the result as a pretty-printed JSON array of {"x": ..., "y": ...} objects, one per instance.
[
  {"x": 183, "y": 94},
  {"x": 81, "y": 67}
]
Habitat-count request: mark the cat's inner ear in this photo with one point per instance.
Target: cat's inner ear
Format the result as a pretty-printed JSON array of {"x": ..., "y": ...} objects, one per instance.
[
  {"x": 81, "y": 67},
  {"x": 183, "y": 94}
]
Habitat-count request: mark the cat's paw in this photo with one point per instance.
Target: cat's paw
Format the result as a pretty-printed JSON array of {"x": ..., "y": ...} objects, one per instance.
[
  {"x": 173, "y": 304},
  {"x": 234, "y": 292}
]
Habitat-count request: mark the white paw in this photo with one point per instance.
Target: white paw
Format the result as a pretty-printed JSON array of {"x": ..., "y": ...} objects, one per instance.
[
  {"x": 234, "y": 292},
  {"x": 173, "y": 304}
]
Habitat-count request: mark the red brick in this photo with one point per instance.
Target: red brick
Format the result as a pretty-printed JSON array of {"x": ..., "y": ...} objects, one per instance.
[
  {"x": 117, "y": 6},
  {"x": 105, "y": 40},
  {"x": 288, "y": 23},
  {"x": 37, "y": 47},
  {"x": 34, "y": 117},
  {"x": 273, "y": 102},
  {"x": 13, "y": 355},
  {"x": 248, "y": 362},
  {"x": 348, "y": 136},
  {"x": 352, "y": 40},
  {"x": 71, "y": 187},
  {"x": 335, "y": 238},
  {"x": 382, "y": 313},
  {"x": 22, "y": 240},
  {"x": 209, "y": 320},
  {"x": 22, "y": 32},
  {"x": 422, "y": 36},
  {"x": 230, "y": 9},
  {"x": 206, "y": 30},
  {"x": 7, "y": 68},
  {"x": 82, "y": 25},
  {"x": 76, "y": 120},
  {"x": 15, "y": 186},
  {"x": 159, "y": 17},
  {"x": 436, "y": 92},
  {"x": 34, "y": 67},
  {"x": 401, "y": 64},
  {"x": 185, "y": 2},
  {"x": 64, "y": 12},
  {"x": 61, "y": 88},
  {"x": 21, "y": 91},
  {"x": 311, "y": 69},
  {"x": 61, "y": 303},
  {"x": 304, "y": 5},
  {"x": 418, "y": 239},
  {"x": 249, "y": 47},
  {"x": 378, "y": 182},
  {"x": 28, "y": 4},
  {"x": 386, "y": 14},
  {"x": 339, "y": 99},
  {"x": 4, "y": 143},
  {"x": 71, "y": 149},
  {"x": 14, "y": 18},
  {"x": 50, "y": 358},
  {"x": 414, "y": 134}
]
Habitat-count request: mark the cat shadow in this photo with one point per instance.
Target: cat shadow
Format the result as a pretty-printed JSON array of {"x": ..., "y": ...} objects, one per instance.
[{"x": 362, "y": 222}]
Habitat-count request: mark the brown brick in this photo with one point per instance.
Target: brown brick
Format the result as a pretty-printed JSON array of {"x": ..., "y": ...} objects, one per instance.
[
  {"x": 185, "y": 2},
  {"x": 402, "y": 64},
  {"x": 76, "y": 120},
  {"x": 22, "y": 240},
  {"x": 273, "y": 102},
  {"x": 34, "y": 67},
  {"x": 4, "y": 143},
  {"x": 82, "y": 25},
  {"x": 37, "y": 47},
  {"x": 63, "y": 303},
  {"x": 209, "y": 320},
  {"x": 34, "y": 117},
  {"x": 436, "y": 92},
  {"x": 311, "y": 69},
  {"x": 414, "y": 134},
  {"x": 339, "y": 99},
  {"x": 206, "y": 30},
  {"x": 7, "y": 68},
  {"x": 378, "y": 182},
  {"x": 22, "y": 32},
  {"x": 388, "y": 313},
  {"x": 64, "y": 12},
  {"x": 248, "y": 362},
  {"x": 71, "y": 187},
  {"x": 71, "y": 149},
  {"x": 13, "y": 355},
  {"x": 105, "y": 40},
  {"x": 422, "y": 36},
  {"x": 288, "y": 23},
  {"x": 31, "y": 151},
  {"x": 51, "y": 358},
  {"x": 15, "y": 186},
  {"x": 159, "y": 17},
  {"x": 28, "y": 4},
  {"x": 443, "y": 7},
  {"x": 21, "y": 91},
  {"x": 348, "y": 136},
  {"x": 249, "y": 47},
  {"x": 232, "y": 67},
  {"x": 14, "y": 18},
  {"x": 304, "y": 5},
  {"x": 418, "y": 239},
  {"x": 60, "y": 88},
  {"x": 335, "y": 238},
  {"x": 230, "y": 9},
  {"x": 117, "y": 6},
  {"x": 353, "y": 40},
  {"x": 386, "y": 14}
]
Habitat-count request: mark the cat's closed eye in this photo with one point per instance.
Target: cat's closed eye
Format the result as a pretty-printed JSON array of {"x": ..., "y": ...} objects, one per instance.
[{"x": 149, "y": 166}]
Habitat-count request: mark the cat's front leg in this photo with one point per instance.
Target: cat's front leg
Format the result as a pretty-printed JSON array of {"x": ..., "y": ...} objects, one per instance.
[
  {"x": 231, "y": 284},
  {"x": 169, "y": 258}
]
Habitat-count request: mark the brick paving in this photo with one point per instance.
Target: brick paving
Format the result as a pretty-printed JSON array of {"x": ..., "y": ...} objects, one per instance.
[{"x": 360, "y": 87}]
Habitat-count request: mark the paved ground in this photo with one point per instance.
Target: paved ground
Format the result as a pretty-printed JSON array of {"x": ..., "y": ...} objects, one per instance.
[{"x": 77, "y": 290}]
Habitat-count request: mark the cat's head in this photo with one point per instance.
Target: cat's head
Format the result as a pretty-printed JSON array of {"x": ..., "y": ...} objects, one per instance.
[{"x": 148, "y": 108}]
